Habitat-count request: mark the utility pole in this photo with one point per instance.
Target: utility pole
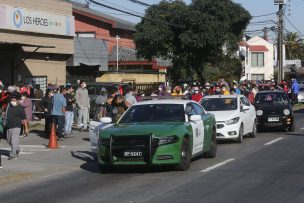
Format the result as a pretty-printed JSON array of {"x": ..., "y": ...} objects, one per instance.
[
  {"x": 280, "y": 39},
  {"x": 117, "y": 49}
]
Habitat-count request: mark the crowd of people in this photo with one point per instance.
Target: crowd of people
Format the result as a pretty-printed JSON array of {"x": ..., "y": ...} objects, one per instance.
[
  {"x": 65, "y": 107},
  {"x": 195, "y": 91}
]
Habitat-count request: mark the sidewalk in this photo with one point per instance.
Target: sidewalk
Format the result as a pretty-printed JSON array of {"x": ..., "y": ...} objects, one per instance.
[{"x": 36, "y": 161}]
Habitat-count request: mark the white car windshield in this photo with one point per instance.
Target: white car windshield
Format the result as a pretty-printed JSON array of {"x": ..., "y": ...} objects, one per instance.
[
  {"x": 154, "y": 113},
  {"x": 219, "y": 104}
]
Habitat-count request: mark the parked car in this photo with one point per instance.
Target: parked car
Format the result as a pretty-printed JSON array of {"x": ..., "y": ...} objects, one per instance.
[
  {"x": 274, "y": 109},
  {"x": 158, "y": 132},
  {"x": 301, "y": 95},
  {"x": 235, "y": 116}
]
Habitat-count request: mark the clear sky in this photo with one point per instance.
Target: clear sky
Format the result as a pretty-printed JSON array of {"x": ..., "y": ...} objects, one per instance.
[{"x": 294, "y": 12}]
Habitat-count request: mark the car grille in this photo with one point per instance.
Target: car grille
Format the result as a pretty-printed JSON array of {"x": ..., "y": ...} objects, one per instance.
[{"x": 139, "y": 143}]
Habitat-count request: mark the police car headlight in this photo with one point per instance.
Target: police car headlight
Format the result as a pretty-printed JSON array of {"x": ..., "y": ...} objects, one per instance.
[
  {"x": 232, "y": 121},
  {"x": 259, "y": 112},
  {"x": 286, "y": 112},
  {"x": 168, "y": 140}
]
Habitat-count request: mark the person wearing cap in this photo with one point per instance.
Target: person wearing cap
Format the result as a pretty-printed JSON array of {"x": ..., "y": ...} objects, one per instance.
[
  {"x": 14, "y": 117},
  {"x": 196, "y": 96},
  {"x": 83, "y": 102},
  {"x": 69, "y": 110}
]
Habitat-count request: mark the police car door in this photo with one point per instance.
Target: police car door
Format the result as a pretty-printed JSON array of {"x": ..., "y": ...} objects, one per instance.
[{"x": 198, "y": 131}]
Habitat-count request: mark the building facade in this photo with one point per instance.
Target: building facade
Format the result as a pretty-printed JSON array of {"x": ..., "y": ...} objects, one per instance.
[
  {"x": 123, "y": 64},
  {"x": 36, "y": 40},
  {"x": 258, "y": 58}
]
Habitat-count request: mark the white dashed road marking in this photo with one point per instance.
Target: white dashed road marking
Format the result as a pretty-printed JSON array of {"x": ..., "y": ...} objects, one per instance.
[
  {"x": 273, "y": 141},
  {"x": 217, "y": 165}
]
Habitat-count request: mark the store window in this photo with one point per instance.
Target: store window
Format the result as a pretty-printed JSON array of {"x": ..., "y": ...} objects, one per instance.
[
  {"x": 257, "y": 59},
  {"x": 257, "y": 77},
  {"x": 34, "y": 80}
]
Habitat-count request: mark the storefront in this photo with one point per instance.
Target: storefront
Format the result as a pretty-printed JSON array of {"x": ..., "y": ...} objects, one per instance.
[{"x": 36, "y": 40}]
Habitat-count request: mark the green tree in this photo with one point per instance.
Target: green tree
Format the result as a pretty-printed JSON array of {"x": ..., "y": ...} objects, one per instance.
[
  {"x": 192, "y": 36},
  {"x": 294, "y": 46}
]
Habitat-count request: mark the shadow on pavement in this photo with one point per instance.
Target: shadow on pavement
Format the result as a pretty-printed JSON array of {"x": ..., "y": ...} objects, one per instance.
[
  {"x": 295, "y": 134},
  {"x": 4, "y": 152},
  {"x": 86, "y": 139},
  {"x": 91, "y": 165},
  {"x": 40, "y": 133}
]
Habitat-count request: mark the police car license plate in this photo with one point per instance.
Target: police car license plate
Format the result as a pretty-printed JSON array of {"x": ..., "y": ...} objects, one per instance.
[
  {"x": 133, "y": 154},
  {"x": 273, "y": 119}
]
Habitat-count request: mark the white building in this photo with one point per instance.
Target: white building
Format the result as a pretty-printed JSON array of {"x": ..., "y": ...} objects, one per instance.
[{"x": 258, "y": 59}]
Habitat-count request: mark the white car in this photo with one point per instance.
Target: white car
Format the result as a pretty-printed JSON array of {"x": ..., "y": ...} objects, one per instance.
[
  {"x": 235, "y": 116},
  {"x": 95, "y": 127},
  {"x": 301, "y": 95}
]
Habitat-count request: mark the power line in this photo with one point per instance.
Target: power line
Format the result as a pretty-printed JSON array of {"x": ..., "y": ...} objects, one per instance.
[
  {"x": 134, "y": 14},
  {"x": 293, "y": 25},
  {"x": 263, "y": 15},
  {"x": 140, "y": 3},
  {"x": 125, "y": 8}
]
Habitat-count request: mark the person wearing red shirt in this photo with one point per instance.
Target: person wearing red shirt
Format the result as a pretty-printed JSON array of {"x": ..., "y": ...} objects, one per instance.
[{"x": 196, "y": 96}]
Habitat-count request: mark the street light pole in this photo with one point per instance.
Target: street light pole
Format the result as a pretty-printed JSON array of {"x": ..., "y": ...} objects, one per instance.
[
  {"x": 280, "y": 39},
  {"x": 117, "y": 48}
]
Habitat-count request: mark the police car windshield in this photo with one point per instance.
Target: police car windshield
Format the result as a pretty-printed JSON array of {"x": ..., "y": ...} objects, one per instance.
[{"x": 154, "y": 113}]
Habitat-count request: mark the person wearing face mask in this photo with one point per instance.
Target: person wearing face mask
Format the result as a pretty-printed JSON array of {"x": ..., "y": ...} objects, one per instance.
[
  {"x": 14, "y": 117},
  {"x": 46, "y": 105},
  {"x": 225, "y": 91},
  {"x": 28, "y": 107},
  {"x": 101, "y": 104},
  {"x": 217, "y": 90},
  {"x": 119, "y": 106},
  {"x": 236, "y": 88},
  {"x": 83, "y": 102},
  {"x": 69, "y": 113},
  {"x": 58, "y": 111},
  {"x": 196, "y": 96},
  {"x": 129, "y": 96}
]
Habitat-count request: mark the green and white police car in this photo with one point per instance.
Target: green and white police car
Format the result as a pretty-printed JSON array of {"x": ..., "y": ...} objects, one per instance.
[{"x": 158, "y": 132}]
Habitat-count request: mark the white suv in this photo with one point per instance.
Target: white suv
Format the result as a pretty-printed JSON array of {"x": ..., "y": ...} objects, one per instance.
[{"x": 235, "y": 116}]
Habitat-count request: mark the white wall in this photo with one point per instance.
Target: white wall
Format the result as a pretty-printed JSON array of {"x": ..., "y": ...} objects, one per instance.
[{"x": 268, "y": 69}]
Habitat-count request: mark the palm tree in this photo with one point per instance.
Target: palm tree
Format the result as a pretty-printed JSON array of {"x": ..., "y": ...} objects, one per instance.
[{"x": 294, "y": 46}]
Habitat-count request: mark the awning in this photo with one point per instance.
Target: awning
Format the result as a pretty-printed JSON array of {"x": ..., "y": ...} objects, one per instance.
[
  {"x": 258, "y": 48},
  {"x": 89, "y": 52}
]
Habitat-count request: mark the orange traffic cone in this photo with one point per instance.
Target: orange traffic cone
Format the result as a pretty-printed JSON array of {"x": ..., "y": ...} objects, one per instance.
[{"x": 53, "y": 138}]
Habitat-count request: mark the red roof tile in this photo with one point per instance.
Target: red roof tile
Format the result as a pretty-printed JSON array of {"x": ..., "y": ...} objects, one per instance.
[{"x": 258, "y": 48}]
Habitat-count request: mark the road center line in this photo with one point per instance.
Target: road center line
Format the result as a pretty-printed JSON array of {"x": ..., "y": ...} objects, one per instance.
[
  {"x": 216, "y": 165},
  {"x": 273, "y": 141}
]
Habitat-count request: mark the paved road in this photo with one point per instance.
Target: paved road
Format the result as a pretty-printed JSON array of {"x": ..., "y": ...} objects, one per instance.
[{"x": 269, "y": 168}]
